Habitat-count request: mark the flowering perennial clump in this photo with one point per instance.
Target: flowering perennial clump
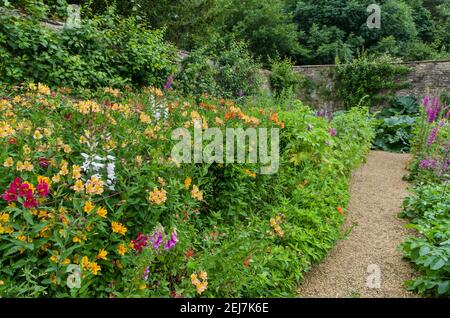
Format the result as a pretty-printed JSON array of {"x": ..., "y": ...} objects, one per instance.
[
  {"x": 200, "y": 281},
  {"x": 26, "y": 192}
]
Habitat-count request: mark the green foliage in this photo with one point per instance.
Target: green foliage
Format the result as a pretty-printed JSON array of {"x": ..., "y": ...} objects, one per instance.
[
  {"x": 429, "y": 208},
  {"x": 105, "y": 51},
  {"x": 334, "y": 28},
  {"x": 283, "y": 78},
  {"x": 429, "y": 205},
  {"x": 370, "y": 77},
  {"x": 395, "y": 125},
  {"x": 266, "y": 25},
  {"x": 253, "y": 234},
  {"x": 307, "y": 31},
  {"x": 220, "y": 69}
]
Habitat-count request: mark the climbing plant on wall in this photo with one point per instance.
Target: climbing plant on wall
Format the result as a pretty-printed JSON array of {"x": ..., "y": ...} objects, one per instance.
[{"x": 375, "y": 78}]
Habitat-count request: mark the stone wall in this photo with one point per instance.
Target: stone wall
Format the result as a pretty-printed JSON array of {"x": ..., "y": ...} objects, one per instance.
[{"x": 424, "y": 78}]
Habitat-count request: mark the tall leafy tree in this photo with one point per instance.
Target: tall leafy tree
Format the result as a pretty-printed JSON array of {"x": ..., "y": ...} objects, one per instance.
[{"x": 266, "y": 25}]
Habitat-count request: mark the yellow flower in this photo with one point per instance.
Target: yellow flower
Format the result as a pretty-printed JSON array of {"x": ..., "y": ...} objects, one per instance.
[
  {"x": 26, "y": 150},
  {"x": 187, "y": 182},
  {"x": 76, "y": 172},
  {"x": 20, "y": 166},
  {"x": 37, "y": 135},
  {"x": 64, "y": 170},
  {"x": 54, "y": 259},
  {"x": 250, "y": 173},
  {"x": 121, "y": 249},
  {"x": 9, "y": 162},
  {"x": 158, "y": 196},
  {"x": 78, "y": 186},
  {"x": 102, "y": 254},
  {"x": 201, "y": 287},
  {"x": 27, "y": 166},
  {"x": 65, "y": 262},
  {"x": 1, "y": 283},
  {"x": 118, "y": 228},
  {"x": 47, "y": 132},
  {"x": 144, "y": 118},
  {"x": 43, "y": 89},
  {"x": 4, "y": 217},
  {"x": 203, "y": 275},
  {"x": 196, "y": 193},
  {"x": 194, "y": 279},
  {"x": 77, "y": 239},
  {"x": 88, "y": 207},
  {"x": 43, "y": 179},
  {"x": 94, "y": 185},
  {"x": 138, "y": 160},
  {"x": 56, "y": 178},
  {"x": 94, "y": 268},
  {"x": 85, "y": 262},
  {"x": 101, "y": 212},
  {"x": 142, "y": 286},
  {"x": 161, "y": 181},
  {"x": 273, "y": 222}
]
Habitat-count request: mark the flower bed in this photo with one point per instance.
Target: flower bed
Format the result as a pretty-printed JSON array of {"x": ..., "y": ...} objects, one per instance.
[
  {"x": 95, "y": 205},
  {"x": 429, "y": 205}
]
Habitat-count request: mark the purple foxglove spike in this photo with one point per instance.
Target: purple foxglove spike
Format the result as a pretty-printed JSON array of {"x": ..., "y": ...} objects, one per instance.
[
  {"x": 426, "y": 101},
  {"x": 432, "y": 136}
]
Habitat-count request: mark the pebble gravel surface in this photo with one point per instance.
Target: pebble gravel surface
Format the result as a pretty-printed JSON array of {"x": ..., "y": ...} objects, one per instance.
[{"x": 367, "y": 263}]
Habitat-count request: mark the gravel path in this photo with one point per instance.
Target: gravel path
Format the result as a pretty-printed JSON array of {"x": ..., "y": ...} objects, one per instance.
[{"x": 377, "y": 191}]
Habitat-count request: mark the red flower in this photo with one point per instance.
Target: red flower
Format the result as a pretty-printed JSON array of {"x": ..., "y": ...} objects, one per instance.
[
  {"x": 43, "y": 189},
  {"x": 43, "y": 163},
  {"x": 30, "y": 202},
  {"x": 247, "y": 261},
  {"x": 15, "y": 185},
  {"x": 9, "y": 196},
  {"x": 189, "y": 253},
  {"x": 140, "y": 242},
  {"x": 12, "y": 141},
  {"x": 25, "y": 190},
  {"x": 340, "y": 210}
]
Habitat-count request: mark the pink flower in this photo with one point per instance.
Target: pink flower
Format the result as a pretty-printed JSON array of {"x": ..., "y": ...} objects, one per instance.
[
  {"x": 172, "y": 242},
  {"x": 30, "y": 203},
  {"x": 157, "y": 237},
  {"x": 43, "y": 189},
  {"x": 9, "y": 196}
]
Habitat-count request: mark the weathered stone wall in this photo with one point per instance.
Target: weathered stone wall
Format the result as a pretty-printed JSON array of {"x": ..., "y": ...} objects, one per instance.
[{"x": 424, "y": 78}]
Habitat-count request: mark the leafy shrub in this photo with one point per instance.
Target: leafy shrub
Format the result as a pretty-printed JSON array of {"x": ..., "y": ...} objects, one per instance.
[
  {"x": 431, "y": 252},
  {"x": 395, "y": 125},
  {"x": 372, "y": 77},
  {"x": 394, "y": 133},
  {"x": 105, "y": 51},
  {"x": 283, "y": 79},
  {"x": 219, "y": 69}
]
